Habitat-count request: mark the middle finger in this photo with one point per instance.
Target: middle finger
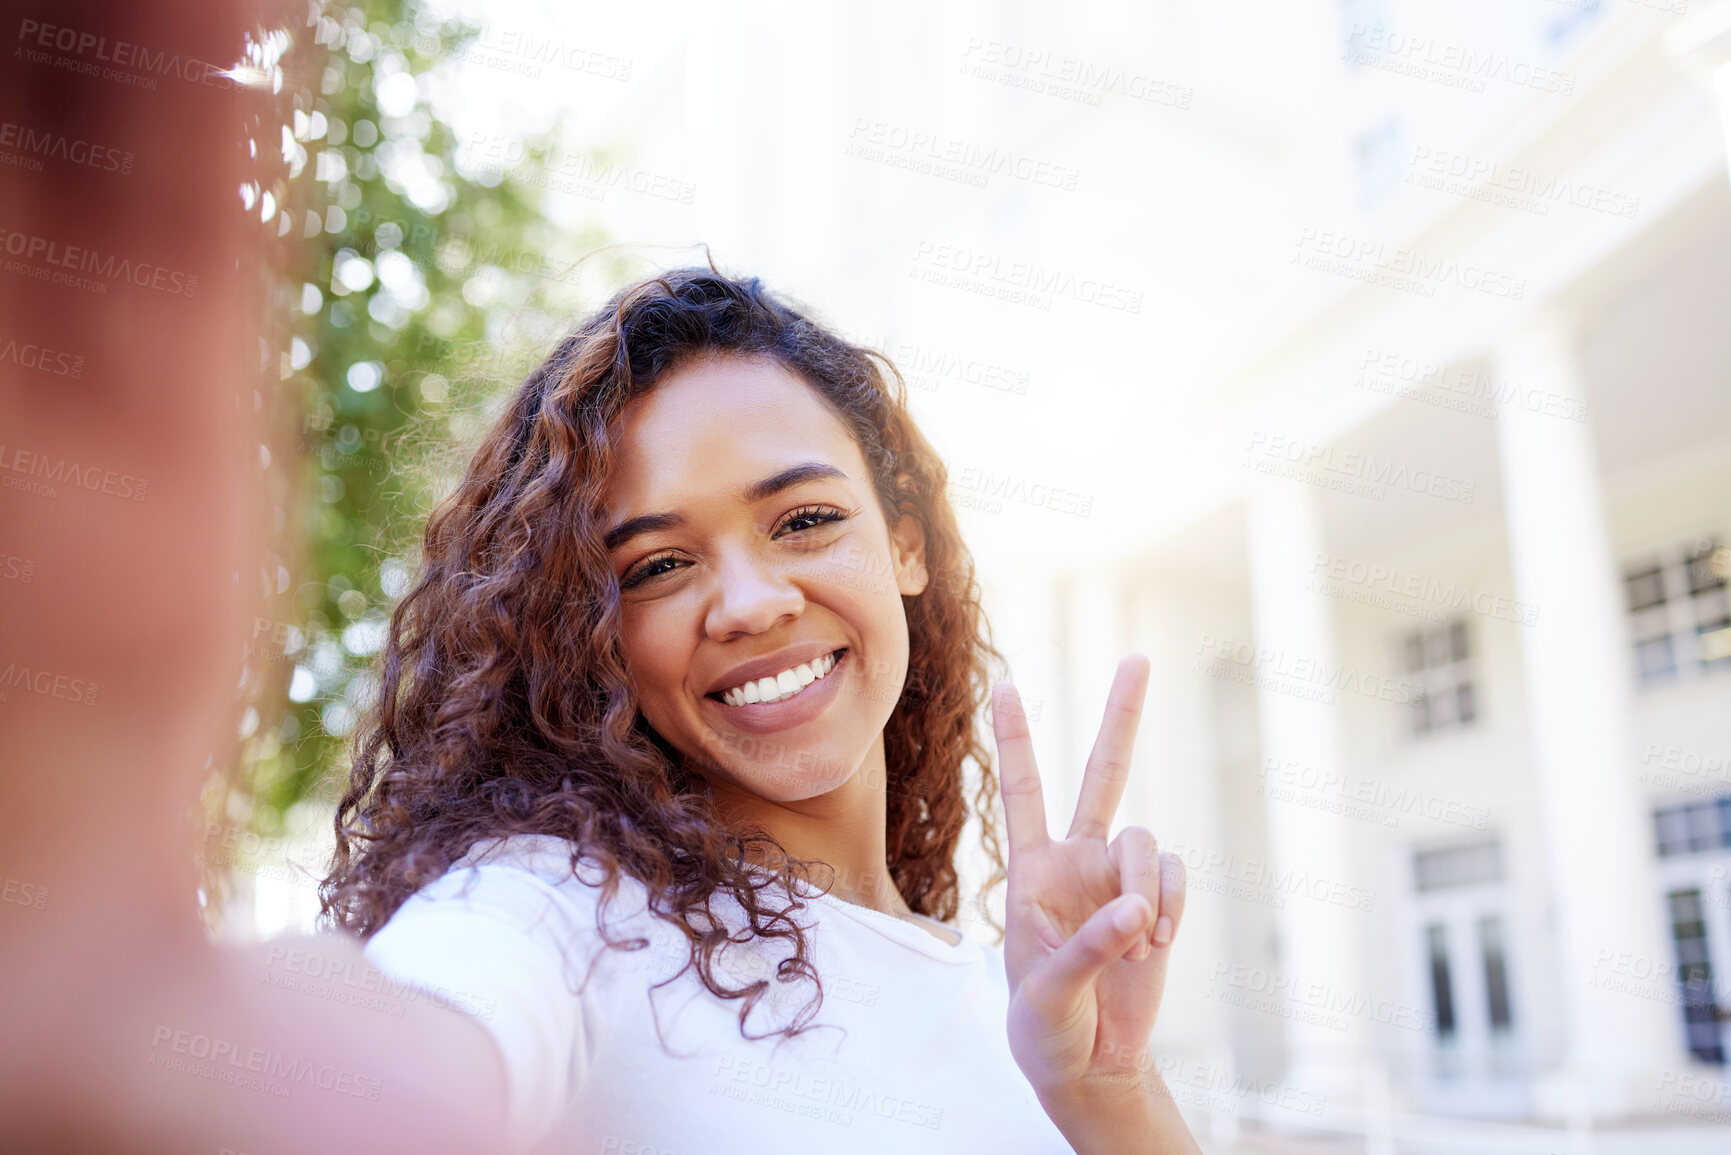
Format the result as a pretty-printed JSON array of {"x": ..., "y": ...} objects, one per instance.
[{"x": 1109, "y": 762}]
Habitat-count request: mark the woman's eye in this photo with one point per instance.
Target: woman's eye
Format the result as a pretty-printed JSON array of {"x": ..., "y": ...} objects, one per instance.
[
  {"x": 645, "y": 571},
  {"x": 801, "y": 520}
]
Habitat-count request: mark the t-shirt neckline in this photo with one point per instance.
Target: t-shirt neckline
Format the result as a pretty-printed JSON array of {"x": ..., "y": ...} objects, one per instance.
[
  {"x": 919, "y": 939},
  {"x": 916, "y": 938}
]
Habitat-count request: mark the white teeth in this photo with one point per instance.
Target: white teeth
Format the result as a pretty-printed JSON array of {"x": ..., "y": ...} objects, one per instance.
[{"x": 784, "y": 685}]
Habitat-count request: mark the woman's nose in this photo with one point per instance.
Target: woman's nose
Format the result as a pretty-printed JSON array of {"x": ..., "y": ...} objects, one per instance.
[{"x": 751, "y": 596}]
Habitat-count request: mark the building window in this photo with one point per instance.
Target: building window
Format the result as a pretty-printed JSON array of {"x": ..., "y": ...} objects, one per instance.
[
  {"x": 1694, "y": 827},
  {"x": 1566, "y": 25},
  {"x": 1694, "y": 848},
  {"x": 1708, "y": 568},
  {"x": 1378, "y": 153},
  {"x": 1442, "y": 996},
  {"x": 1650, "y": 622},
  {"x": 1461, "y": 910},
  {"x": 1496, "y": 972},
  {"x": 1360, "y": 20},
  {"x": 1456, "y": 866},
  {"x": 1438, "y": 662},
  {"x": 1695, "y": 976},
  {"x": 1680, "y": 612}
]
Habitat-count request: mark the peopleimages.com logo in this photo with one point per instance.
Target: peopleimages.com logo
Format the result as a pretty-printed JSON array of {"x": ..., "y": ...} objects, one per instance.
[
  {"x": 1410, "y": 270},
  {"x": 91, "y": 54},
  {"x": 82, "y": 267}
]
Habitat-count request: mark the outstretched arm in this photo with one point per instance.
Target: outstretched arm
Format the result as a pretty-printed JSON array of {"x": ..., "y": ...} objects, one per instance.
[{"x": 133, "y": 506}]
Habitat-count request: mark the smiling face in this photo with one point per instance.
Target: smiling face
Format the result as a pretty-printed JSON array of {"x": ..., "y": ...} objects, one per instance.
[{"x": 760, "y": 547}]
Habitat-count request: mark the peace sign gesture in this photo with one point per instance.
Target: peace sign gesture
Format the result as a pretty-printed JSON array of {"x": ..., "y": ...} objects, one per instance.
[{"x": 1088, "y": 924}]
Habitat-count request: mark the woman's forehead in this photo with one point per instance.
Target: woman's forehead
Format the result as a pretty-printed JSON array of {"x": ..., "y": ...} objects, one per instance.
[{"x": 719, "y": 424}]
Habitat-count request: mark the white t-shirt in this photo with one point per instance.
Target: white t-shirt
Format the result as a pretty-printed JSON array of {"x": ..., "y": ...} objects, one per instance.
[{"x": 508, "y": 933}]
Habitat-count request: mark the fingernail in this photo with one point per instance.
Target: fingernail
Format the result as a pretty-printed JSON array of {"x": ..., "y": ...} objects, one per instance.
[
  {"x": 1163, "y": 930},
  {"x": 1129, "y": 917}
]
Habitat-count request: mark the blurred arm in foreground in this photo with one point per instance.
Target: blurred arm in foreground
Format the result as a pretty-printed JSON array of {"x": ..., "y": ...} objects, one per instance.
[{"x": 131, "y": 518}]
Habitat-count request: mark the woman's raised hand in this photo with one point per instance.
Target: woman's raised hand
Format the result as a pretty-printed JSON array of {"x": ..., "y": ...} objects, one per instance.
[{"x": 1088, "y": 923}]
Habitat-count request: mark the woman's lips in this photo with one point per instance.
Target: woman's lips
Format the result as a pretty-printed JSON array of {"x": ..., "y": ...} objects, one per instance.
[{"x": 768, "y": 717}]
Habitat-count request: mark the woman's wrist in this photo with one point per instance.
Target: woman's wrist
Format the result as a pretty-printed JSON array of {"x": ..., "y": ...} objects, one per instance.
[
  {"x": 1119, "y": 1114},
  {"x": 1096, "y": 1125}
]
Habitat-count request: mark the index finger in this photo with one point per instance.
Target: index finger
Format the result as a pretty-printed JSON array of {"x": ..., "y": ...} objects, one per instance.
[
  {"x": 1108, "y": 765},
  {"x": 1018, "y": 777}
]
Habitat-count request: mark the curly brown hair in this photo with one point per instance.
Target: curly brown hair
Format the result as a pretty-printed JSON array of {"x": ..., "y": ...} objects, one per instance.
[{"x": 503, "y": 699}]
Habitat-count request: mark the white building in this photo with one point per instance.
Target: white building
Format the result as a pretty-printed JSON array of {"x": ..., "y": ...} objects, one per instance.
[{"x": 1441, "y": 716}]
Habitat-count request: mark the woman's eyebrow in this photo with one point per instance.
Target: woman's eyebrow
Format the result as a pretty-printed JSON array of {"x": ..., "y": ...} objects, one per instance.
[{"x": 755, "y": 492}]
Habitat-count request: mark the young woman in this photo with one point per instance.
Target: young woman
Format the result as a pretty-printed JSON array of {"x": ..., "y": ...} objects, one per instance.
[{"x": 664, "y": 785}]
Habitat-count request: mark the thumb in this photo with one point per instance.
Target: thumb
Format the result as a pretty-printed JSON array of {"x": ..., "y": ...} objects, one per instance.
[{"x": 1055, "y": 986}]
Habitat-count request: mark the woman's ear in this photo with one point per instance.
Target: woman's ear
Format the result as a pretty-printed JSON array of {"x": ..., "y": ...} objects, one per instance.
[{"x": 908, "y": 549}]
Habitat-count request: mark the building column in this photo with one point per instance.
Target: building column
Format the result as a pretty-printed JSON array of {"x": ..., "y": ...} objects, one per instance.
[
  {"x": 1025, "y": 618},
  {"x": 1319, "y": 940},
  {"x": 1701, "y": 44},
  {"x": 1093, "y": 609},
  {"x": 1579, "y": 697},
  {"x": 1175, "y": 791},
  {"x": 1722, "y": 98}
]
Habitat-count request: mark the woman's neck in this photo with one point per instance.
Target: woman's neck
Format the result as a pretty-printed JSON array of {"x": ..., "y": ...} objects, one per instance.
[{"x": 838, "y": 836}]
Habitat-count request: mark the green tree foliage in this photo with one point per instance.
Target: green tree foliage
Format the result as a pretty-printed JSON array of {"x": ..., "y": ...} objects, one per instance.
[{"x": 425, "y": 282}]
